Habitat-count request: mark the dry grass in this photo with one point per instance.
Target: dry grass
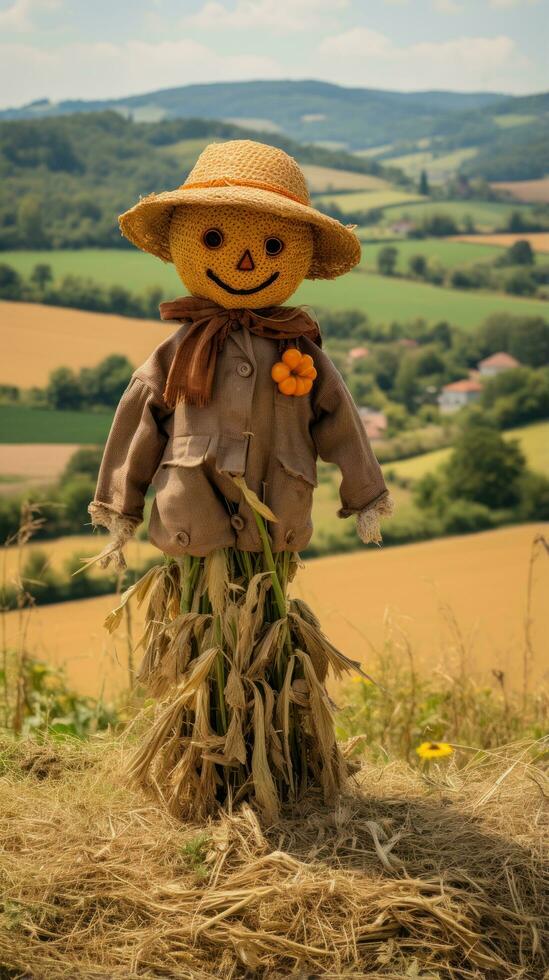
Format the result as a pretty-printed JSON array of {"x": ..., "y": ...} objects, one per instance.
[{"x": 440, "y": 876}]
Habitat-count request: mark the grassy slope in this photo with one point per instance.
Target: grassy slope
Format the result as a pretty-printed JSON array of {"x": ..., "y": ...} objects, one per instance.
[
  {"x": 487, "y": 215},
  {"x": 365, "y": 200},
  {"x": 449, "y": 253},
  {"x": 413, "y": 163},
  {"x": 533, "y": 439}
]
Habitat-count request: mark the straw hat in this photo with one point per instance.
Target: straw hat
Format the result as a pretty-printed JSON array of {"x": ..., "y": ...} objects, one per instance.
[{"x": 252, "y": 175}]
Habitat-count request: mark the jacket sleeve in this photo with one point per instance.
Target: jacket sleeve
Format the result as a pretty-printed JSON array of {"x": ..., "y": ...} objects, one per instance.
[
  {"x": 132, "y": 454},
  {"x": 340, "y": 438}
]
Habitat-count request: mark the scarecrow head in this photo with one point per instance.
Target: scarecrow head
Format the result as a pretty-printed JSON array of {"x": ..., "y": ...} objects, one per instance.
[{"x": 241, "y": 230}]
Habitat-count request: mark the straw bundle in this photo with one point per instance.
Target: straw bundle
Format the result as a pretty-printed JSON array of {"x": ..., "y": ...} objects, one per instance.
[
  {"x": 240, "y": 669},
  {"x": 442, "y": 880}
]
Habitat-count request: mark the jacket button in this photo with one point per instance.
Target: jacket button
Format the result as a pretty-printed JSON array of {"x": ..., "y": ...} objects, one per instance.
[
  {"x": 244, "y": 369},
  {"x": 237, "y": 522},
  {"x": 183, "y": 538},
  {"x": 289, "y": 537}
]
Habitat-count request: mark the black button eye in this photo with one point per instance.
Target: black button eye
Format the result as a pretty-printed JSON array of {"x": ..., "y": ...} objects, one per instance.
[
  {"x": 212, "y": 238},
  {"x": 273, "y": 246}
]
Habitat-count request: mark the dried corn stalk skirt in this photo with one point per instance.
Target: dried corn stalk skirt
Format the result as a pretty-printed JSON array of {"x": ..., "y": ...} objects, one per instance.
[{"x": 238, "y": 669}]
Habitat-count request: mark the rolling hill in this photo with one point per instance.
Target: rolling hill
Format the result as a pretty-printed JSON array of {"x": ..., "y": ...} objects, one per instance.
[
  {"x": 306, "y": 110},
  {"x": 482, "y": 134}
]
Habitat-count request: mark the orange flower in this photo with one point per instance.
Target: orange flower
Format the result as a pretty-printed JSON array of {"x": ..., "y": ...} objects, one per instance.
[{"x": 295, "y": 373}]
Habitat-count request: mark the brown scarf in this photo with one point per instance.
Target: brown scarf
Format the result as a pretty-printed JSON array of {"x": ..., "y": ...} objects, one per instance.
[{"x": 193, "y": 367}]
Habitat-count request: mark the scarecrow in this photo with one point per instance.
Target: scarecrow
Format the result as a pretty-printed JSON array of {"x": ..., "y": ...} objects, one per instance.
[{"x": 226, "y": 420}]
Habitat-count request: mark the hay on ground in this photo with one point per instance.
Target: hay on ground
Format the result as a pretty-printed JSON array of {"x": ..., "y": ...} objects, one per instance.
[{"x": 439, "y": 877}]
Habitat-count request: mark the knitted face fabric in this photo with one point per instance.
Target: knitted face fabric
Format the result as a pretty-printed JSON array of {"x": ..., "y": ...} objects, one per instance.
[{"x": 239, "y": 257}]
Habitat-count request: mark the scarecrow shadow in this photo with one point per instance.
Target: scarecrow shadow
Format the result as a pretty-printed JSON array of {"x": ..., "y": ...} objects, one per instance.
[
  {"x": 424, "y": 838},
  {"x": 439, "y": 872}
]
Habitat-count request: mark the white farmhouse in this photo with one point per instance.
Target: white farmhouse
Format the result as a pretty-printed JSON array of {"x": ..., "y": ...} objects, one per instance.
[
  {"x": 497, "y": 363},
  {"x": 458, "y": 394}
]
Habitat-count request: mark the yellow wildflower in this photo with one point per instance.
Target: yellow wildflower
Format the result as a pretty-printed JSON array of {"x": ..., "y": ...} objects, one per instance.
[{"x": 434, "y": 750}]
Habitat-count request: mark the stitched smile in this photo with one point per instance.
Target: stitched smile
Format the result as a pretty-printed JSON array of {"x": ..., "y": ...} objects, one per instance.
[{"x": 240, "y": 292}]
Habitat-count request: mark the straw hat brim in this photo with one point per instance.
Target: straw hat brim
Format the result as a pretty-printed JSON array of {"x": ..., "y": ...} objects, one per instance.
[{"x": 336, "y": 248}]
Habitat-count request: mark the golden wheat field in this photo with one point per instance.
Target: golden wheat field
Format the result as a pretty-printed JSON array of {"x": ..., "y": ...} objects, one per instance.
[
  {"x": 539, "y": 240},
  {"x": 415, "y": 592},
  {"x": 37, "y": 339},
  {"x": 323, "y": 179},
  {"x": 526, "y": 190}
]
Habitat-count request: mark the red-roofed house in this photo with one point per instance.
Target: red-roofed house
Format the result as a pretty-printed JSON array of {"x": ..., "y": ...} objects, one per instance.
[
  {"x": 458, "y": 394},
  {"x": 497, "y": 363},
  {"x": 374, "y": 422},
  {"x": 358, "y": 353}
]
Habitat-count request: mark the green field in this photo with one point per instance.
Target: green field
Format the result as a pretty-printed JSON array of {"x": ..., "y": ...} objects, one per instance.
[
  {"x": 509, "y": 120},
  {"x": 110, "y": 267},
  {"x": 385, "y": 300},
  {"x": 414, "y": 163},
  {"x": 487, "y": 215},
  {"x": 366, "y": 200},
  {"x": 448, "y": 253},
  {"x": 533, "y": 439},
  {"x": 382, "y": 298},
  {"x": 34, "y": 425}
]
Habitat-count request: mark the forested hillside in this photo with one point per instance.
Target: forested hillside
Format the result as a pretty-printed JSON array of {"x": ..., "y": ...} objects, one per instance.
[{"x": 64, "y": 180}]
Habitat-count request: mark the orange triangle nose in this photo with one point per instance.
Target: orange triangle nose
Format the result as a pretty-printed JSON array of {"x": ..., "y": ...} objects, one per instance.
[{"x": 246, "y": 263}]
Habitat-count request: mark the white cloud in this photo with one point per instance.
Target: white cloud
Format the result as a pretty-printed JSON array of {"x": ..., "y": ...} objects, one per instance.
[
  {"x": 447, "y": 7},
  {"x": 110, "y": 70},
  {"x": 20, "y": 15},
  {"x": 508, "y": 4},
  {"x": 276, "y": 15},
  {"x": 365, "y": 57}
]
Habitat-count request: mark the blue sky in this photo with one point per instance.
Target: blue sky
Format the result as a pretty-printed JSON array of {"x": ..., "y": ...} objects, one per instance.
[{"x": 104, "y": 48}]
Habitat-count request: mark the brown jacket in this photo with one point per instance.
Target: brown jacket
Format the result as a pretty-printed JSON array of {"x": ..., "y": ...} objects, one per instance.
[{"x": 249, "y": 428}]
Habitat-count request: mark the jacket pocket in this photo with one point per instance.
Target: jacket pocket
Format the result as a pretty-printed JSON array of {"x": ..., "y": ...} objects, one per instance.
[
  {"x": 188, "y": 451},
  {"x": 300, "y": 467},
  {"x": 231, "y": 455}
]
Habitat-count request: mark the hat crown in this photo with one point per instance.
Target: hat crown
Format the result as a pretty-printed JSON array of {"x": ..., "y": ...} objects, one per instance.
[{"x": 244, "y": 162}]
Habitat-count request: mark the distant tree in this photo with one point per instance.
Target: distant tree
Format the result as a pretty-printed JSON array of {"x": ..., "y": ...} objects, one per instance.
[
  {"x": 10, "y": 282},
  {"x": 520, "y": 283},
  {"x": 41, "y": 275},
  {"x": 417, "y": 264},
  {"x": 387, "y": 258},
  {"x": 64, "y": 390},
  {"x": 84, "y": 462},
  {"x": 485, "y": 468},
  {"x": 424, "y": 184},
  {"x": 30, "y": 222},
  {"x": 105, "y": 384},
  {"x": 515, "y": 222},
  {"x": 439, "y": 225},
  {"x": 529, "y": 341},
  {"x": 520, "y": 253},
  {"x": 406, "y": 387},
  {"x": 387, "y": 363},
  {"x": 441, "y": 334},
  {"x": 469, "y": 226}
]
